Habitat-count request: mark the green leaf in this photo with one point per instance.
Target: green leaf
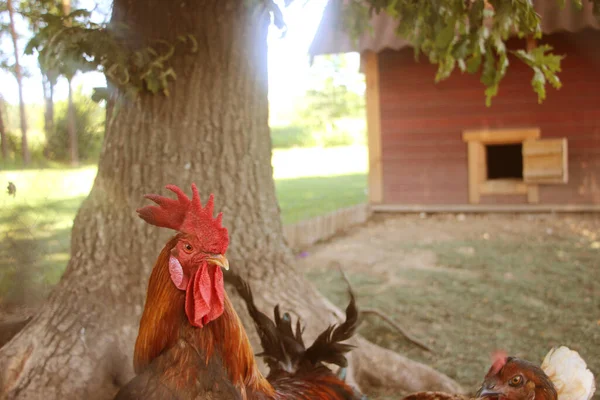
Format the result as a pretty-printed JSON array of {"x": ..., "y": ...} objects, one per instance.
[
  {"x": 489, "y": 69},
  {"x": 539, "y": 84},
  {"x": 474, "y": 63},
  {"x": 138, "y": 59},
  {"x": 79, "y": 13},
  {"x": 578, "y": 4},
  {"x": 461, "y": 49},
  {"x": 153, "y": 84},
  {"x": 545, "y": 66},
  {"x": 445, "y": 36},
  {"x": 99, "y": 94},
  {"x": 33, "y": 44}
]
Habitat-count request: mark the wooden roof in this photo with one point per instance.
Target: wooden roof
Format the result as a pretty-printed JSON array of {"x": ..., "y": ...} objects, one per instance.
[{"x": 330, "y": 38}]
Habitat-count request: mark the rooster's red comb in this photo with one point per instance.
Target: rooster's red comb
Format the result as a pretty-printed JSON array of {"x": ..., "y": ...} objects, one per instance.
[
  {"x": 188, "y": 216},
  {"x": 499, "y": 359}
]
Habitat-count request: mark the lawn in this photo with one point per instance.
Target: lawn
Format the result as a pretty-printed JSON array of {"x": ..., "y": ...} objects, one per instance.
[
  {"x": 35, "y": 225},
  {"x": 470, "y": 285}
]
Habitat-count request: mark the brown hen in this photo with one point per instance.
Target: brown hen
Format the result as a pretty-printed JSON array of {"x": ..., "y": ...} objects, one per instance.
[{"x": 509, "y": 378}]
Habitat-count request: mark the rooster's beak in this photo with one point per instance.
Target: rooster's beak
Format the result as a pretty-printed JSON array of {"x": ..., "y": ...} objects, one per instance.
[
  {"x": 488, "y": 393},
  {"x": 219, "y": 259}
]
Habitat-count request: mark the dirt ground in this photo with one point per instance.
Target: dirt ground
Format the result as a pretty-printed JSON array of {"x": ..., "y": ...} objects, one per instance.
[{"x": 467, "y": 285}]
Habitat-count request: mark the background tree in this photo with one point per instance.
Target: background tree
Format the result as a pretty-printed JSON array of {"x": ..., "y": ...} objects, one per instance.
[
  {"x": 33, "y": 10},
  {"x": 3, "y": 135},
  {"x": 51, "y": 20},
  {"x": 89, "y": 119},
  {"x": 190, "y": 105},
  {"x": 325, "y": 105},
  {"x": 10, "y": 7},
  {"x": 4, "y": 29},
  {"x": 69, "y": 74}
]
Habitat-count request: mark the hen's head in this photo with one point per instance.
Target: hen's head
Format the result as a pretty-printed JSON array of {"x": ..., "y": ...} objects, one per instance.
[
  {"x": 199, "y": 253},
  {"x": 511, "y": 378}
]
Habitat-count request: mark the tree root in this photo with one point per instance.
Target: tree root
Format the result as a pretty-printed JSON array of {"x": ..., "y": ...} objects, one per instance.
[
  {"x": 379, "y": 368},
  {"x": 11, "y": 328},
  {"x": 396, "y": 326},
  {"x": 387, "y": 319}
]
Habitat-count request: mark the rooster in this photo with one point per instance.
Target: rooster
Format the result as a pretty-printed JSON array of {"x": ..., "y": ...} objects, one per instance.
[
  {"x": 284, "y": 350},
  {"x": 563, "y": 375},
  {"x": 191, "y": 343}
]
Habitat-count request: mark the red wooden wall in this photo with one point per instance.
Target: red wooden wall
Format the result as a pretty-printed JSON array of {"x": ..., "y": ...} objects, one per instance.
[{"x": 424, "y": 158}]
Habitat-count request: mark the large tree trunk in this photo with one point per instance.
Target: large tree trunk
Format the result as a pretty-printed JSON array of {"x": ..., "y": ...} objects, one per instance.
[
  {"x": 211, "y": 130},
  {"x": 19, "y": 75}
]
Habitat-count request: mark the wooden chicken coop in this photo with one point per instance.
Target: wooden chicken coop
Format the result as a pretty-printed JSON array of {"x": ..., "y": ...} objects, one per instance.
[{"x": 437, "y": 147}]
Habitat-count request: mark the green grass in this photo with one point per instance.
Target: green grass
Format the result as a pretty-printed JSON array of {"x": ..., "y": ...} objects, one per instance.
[
  {"x": 35, "y": 225},
  {"x": 304, "y": 198},
  {"x": 524, "y": 292}
]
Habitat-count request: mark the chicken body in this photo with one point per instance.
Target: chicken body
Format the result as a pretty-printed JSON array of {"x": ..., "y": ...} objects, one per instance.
[
  {"x": 181, "y": 372},
  {"x": 569, "y": 373},
  {"x": 562, "y": 376},
  {"x": 191, "y": 343},
  {"x": 175, "y": 360}
]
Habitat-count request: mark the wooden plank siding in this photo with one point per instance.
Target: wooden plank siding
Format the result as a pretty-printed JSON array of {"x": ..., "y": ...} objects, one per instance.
[{"x": 424, "y": 158}]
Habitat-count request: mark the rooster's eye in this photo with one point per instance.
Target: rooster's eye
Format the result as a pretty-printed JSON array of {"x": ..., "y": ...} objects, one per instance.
[
  {"x": 515, "y": 380},
  {"x": 187, "y": 247}
]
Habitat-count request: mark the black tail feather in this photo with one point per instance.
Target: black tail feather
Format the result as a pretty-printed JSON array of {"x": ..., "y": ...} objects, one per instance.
[
  {"x": 268, "y": 333},
  {"x": 283, "y": 346},
  {"x": 327, "y": 346}
]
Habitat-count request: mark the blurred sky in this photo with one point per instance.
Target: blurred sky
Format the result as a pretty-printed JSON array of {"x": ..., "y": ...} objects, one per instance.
[{"x": 290, "y": 73}]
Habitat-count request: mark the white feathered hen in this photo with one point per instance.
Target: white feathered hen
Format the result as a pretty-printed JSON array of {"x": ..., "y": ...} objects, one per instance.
[{"x": 569, "y": 374}]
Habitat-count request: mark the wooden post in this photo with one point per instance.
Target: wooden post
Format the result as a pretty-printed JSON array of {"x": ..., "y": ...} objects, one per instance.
[
  {"x": 475, "y": 152},
  {"x": 533, "y": 194},
  {"x": 373, "y": 127}
]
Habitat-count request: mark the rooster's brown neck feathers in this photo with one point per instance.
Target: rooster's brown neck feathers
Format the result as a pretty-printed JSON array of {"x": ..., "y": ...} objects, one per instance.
[{"x": 164, "y": 323}]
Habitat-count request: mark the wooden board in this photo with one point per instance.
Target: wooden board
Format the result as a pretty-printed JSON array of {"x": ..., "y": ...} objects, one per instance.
[
  {"x": 545, "y": 161},
  {"x": 501, "y": 136},
  {"x": 485, "y": 208},
  {"x": 503, "y": 186},
  {"x": 476, "y": 152}
]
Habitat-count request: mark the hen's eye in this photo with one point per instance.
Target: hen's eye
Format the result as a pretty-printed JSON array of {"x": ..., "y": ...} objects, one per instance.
[
  {"x": 187, "y": 247},
  {"x": 515, "y": 380}
]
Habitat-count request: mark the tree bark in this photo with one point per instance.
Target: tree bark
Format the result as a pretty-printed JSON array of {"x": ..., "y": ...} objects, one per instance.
[
  {"x": 212, "y": 130},
  {"x": 3, "y": 138},
  {"x": 19, "y": 75}
]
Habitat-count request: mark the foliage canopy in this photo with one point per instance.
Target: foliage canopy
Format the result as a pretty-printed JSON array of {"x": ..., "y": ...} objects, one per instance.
[{"x": 468, "y": 34}]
